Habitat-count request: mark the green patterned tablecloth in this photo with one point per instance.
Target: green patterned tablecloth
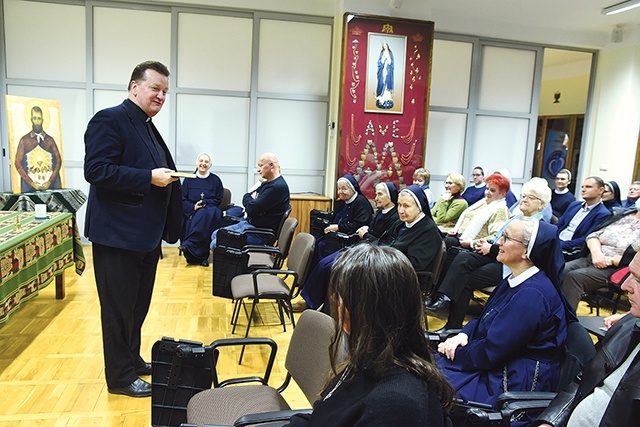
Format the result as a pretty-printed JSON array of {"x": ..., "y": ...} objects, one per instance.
[{"x": 31, "y": 256}]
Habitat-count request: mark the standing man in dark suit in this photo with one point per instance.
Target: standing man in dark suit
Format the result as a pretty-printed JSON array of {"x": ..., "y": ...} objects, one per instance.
[
  {"x": 581, "y": 218},
  {"x": 134, "y": 203}
]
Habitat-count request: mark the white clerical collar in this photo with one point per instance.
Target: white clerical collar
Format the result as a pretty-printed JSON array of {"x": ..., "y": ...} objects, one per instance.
[
  {"x": 515, "y": 281},
  {"x": 384, "y": 211},
  {"x": 484, "y": 184},
  {"x": 411, "y": 224},
  {"x": 565, "y": 191},
  {"x": 203, "y": 176},
  {"x": 352, "y": 198}
]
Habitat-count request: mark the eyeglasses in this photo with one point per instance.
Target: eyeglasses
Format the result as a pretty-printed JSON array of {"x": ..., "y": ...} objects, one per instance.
[
  {"x": 528, "y": 196},
  {"x": 449, "y": 182},
  {"x": 506, "y": 237}
]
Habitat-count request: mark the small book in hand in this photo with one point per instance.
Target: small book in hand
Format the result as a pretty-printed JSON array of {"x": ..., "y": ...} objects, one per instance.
[{"x": 182, "y": 174}]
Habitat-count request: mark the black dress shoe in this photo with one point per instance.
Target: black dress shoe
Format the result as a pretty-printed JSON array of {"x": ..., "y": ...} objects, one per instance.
[
  {"x": 205, "y": 263},
  {"x": 438, "y": 303},
  {"x": 138, "y": 388},
  {"x": 144, "y": 370}
]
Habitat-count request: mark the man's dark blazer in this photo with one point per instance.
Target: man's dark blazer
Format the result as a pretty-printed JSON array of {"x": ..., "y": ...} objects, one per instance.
[
  {"x": 593, "y": 219},
  {"x": 124, "y": 210}
]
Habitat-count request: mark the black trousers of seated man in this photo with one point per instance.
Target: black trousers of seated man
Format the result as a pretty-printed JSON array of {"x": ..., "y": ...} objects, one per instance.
[
  {"x": 125, "y": 284},
  {"x": 468, "y": 271}
]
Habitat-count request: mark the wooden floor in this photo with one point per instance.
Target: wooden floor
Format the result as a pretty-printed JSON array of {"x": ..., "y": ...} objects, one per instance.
[{"x": 51, "y": 365}]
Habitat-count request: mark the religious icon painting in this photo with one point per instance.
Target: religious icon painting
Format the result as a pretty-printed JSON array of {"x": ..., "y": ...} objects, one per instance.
[
  {"x": 35, "y": 144},
  {"x": 386, "y": 57}
]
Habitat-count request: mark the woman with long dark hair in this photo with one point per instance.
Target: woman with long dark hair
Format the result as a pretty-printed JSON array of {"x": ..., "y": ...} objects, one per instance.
[{"x": 388, "y": 376}]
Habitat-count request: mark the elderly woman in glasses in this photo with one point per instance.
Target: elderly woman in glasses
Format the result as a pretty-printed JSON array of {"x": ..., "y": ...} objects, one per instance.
[
  {"x": 450, "y": 206},
  {"x": 479, "y": 269},
  {"x": 517, "y": 343}
]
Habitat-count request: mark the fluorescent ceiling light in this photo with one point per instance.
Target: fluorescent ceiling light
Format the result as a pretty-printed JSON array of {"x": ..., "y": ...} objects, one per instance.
[{"x": 621, "y": 7}]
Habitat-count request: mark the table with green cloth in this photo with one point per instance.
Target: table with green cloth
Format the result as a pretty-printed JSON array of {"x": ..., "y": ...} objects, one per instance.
[
  {"x": 57, "y": 200},
  {"x": 33, "y": 253}
]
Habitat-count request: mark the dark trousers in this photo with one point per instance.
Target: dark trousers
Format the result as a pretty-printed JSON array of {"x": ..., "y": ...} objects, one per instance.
[
  {"x": 125, "y": 285},
  {"x": 468, "y": 271}
]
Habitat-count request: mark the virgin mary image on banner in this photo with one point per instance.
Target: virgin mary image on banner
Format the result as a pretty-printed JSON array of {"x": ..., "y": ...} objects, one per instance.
[
  {"x": 386, "y": 57},
  {"x": 384, "y": 88},
  {"x": 34, "y": 135}
]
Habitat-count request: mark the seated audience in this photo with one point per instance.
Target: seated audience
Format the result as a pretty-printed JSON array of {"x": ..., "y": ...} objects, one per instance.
[
  {"x": 201, "y": 197},
  {"x": 480, "y": 269},
  {"x": 388, "y": 377},
  {"x": 606, "y": 392},
  {"x": 476, "y": 192},
  {"x": 581, "y": 218},
  {"x": 415, "y": 235},
  {"x": 562, "y": 197},
  {"x": 632, "y": 196},
  {"x": 386, "y": 200},
  {"x": 265, "y": 206},
  {"x": 422, "y": 178},
  {"x": 448, "y": 208},
  {"x": 352, "y": 211},
  {"x": 483, "y": 219},
  {"x": 315, "y": 286},
  {"x": 611, "y": 196},
  {"x": 610, "y": 246},
  {"x": 517, "y": 342},
  {"x": 547, "y": 212}
]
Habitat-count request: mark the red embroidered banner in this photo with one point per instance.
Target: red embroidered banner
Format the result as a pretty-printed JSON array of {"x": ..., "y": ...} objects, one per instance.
[{"x": 384, "y": 99}]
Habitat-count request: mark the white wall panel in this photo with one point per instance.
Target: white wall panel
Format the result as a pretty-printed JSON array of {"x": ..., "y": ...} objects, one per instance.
[
  {"x": 506, "y": 82},
  {"x": 294, "y": 130},
  {"x": 445, "y": 142},
  {"x": 222, "y": 59},
  {"x": 294, "y": 57},
  {"x": 451, "y": 73},
  {"x": 116, "y": 52},
  {"x": 45, "y": 41},
  {"x": 500, "y": 142},
  {"x": 214, "y": 124}
]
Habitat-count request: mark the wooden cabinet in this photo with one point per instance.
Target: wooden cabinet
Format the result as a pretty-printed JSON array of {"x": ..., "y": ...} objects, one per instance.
[{"x": 301, "y": 206}]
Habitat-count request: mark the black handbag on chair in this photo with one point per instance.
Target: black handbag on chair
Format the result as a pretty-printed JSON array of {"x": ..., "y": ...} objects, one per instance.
[
  {"x": 319, "y": 220},
  {"x": 227, "y": 264}
]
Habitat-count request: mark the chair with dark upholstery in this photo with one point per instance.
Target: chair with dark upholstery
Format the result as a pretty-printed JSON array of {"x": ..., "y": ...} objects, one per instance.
[{"x": 522, "y": 405}]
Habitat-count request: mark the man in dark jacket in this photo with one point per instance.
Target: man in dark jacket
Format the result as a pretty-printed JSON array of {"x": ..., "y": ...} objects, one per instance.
[
  {"x": 581, "y": 218},
  {"x": 134, "y": 203},
  {"x": 264, "y": 205},
  {"x": 607, "y": 392}
]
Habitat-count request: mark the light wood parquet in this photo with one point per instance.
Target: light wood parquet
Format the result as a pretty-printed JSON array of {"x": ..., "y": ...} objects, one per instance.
[{"x": 51, "y": 366}]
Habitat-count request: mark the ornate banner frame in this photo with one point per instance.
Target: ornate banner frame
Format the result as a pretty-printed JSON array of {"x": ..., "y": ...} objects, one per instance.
[{"x": 384, "y": 98}]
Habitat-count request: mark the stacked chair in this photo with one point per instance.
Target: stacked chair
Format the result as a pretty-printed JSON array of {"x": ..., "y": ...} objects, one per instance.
[
  {"x": 270, "y": 284},
  {"x": 230, "y": 257},
  {"x": 307, "y": 362}
]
